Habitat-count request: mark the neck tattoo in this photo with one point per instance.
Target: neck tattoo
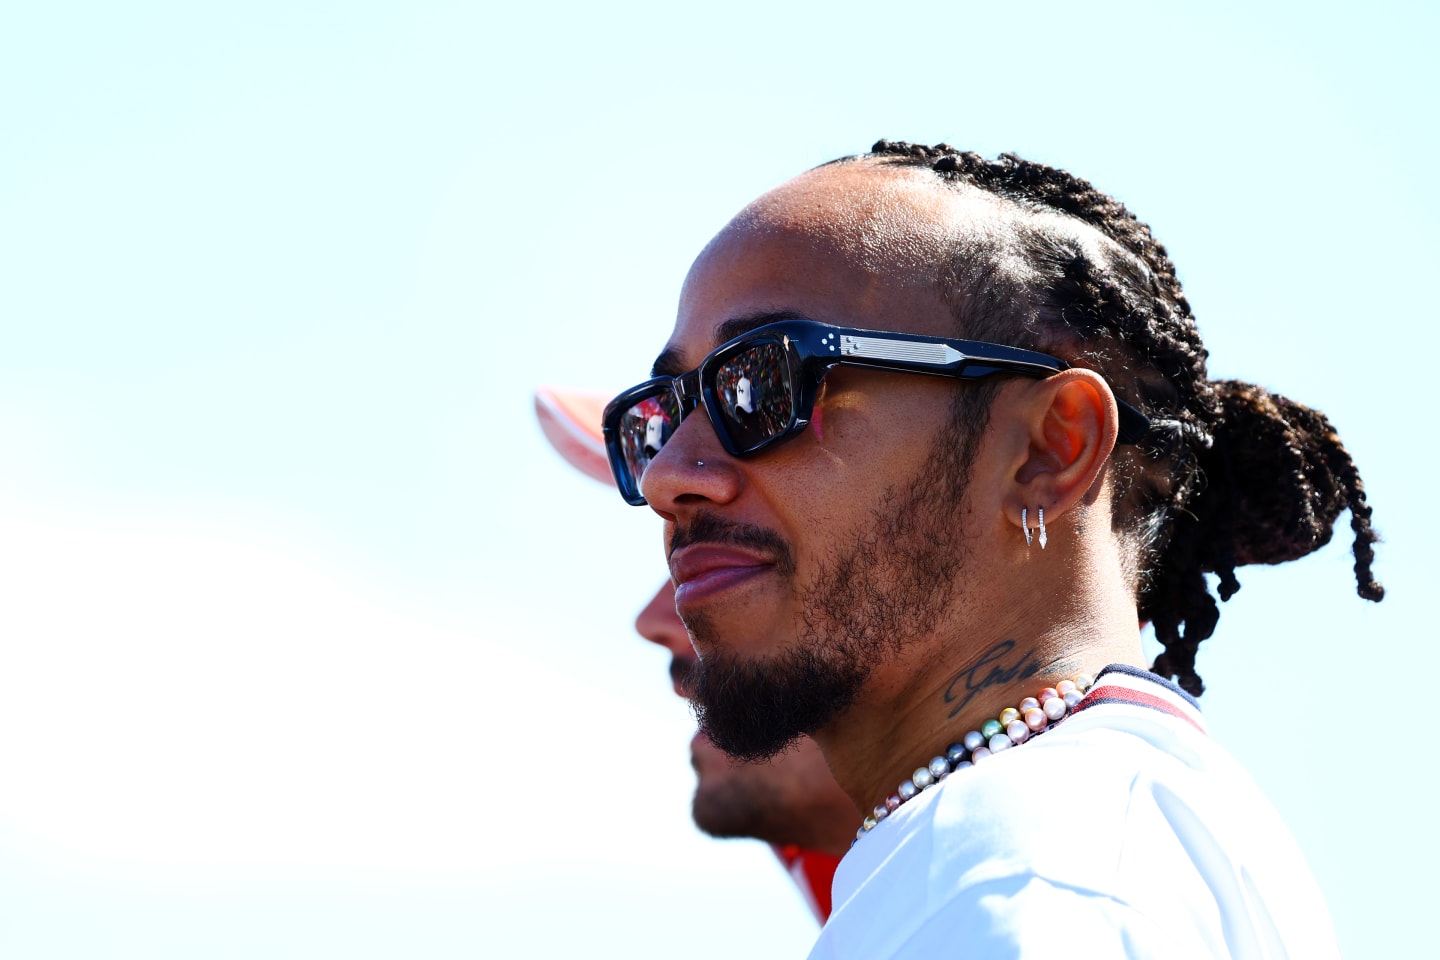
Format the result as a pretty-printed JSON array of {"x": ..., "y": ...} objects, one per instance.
[{"x": 1012, "y": 727}]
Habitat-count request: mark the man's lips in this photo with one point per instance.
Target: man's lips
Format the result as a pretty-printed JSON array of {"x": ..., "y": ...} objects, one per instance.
[
  {"x": 702, "y": 571},
  {"x": 680, "y": 676}
]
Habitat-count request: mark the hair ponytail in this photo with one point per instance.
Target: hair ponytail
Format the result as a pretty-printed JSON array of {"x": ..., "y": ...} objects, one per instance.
[{"x": 1272, "y": 483}]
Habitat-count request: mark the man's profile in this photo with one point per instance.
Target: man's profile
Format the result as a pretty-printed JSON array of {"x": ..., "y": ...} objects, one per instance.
[
  {"x": 790, "y": 802},
  {"x": 992, "y": 450}
]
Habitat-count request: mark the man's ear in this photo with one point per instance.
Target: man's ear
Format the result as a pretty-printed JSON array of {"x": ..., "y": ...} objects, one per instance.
[{"x": 1072, "y": 426}]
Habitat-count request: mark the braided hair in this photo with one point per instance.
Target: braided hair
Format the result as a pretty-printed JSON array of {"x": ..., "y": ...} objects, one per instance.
[{"x": 1229, "y": 473}]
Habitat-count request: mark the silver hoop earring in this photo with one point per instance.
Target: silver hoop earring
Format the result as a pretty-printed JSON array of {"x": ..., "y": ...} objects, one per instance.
[
  {"x": 1043, "y": 538},
  {"x": 1025, "y": 524}
]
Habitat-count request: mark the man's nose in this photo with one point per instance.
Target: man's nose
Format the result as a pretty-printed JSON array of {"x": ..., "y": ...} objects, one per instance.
[
  {"x": 691, "y": 470},
  {"x": 660, "y": 624}
]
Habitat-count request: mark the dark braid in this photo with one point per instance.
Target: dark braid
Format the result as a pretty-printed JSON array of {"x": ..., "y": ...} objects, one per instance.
[{"x": 1229, "y": 474}]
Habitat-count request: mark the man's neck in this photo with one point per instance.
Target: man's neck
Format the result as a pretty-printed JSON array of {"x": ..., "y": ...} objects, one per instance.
[{"x": 914, "y": 707}]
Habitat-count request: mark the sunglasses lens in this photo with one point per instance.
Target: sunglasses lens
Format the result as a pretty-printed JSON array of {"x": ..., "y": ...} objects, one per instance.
[
  {"x": 642, "y": 431},
  {"x": 757, "y": 399}
]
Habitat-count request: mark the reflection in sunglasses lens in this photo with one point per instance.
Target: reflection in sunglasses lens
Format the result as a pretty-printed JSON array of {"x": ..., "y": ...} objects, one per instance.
[
  {"x": 756, "y": 400},
  {"x": 644, "y": 428}
]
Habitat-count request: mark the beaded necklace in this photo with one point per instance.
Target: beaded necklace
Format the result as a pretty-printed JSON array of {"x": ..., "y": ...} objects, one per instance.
[{"x": 1013, "y": 726}]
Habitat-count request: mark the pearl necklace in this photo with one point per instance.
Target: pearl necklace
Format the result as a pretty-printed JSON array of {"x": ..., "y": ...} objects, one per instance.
[{"x": 1014, "y": 726}]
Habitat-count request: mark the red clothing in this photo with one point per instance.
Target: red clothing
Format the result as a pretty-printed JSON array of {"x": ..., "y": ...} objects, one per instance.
[{"x": 812, "y": 872}]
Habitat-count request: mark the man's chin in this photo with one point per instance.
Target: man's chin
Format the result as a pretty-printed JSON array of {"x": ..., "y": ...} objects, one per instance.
[
  {"x": 801, "y": 688},
  {"x": 733, "y": 630},
  {"x": 733, "y": 800}
]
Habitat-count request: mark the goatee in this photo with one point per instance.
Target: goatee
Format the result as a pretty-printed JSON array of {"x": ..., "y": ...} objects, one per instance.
[{"x": 754, "y": 709}]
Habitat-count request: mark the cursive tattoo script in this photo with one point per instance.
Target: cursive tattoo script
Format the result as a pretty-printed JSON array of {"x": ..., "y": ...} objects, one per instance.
[{"x": 989, "y": 671}]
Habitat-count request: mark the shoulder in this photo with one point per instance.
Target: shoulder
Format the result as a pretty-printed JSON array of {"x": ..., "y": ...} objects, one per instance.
[{"x": 1127, "y": 818}]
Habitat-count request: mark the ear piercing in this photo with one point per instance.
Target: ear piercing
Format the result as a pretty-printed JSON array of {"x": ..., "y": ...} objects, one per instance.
[{"x": 1025, "y": 525}]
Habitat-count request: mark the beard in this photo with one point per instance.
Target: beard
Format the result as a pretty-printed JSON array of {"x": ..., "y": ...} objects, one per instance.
[
  {"x": 869, "y": 600},
  {"x": 737, "y": 800}
]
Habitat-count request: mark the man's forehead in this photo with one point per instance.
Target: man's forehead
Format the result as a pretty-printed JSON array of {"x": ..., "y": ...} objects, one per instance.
[{"x": 852, "y": 230}]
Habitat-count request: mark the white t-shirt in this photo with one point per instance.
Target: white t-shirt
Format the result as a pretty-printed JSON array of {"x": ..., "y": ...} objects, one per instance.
[{"x": 1123, "y": 832}]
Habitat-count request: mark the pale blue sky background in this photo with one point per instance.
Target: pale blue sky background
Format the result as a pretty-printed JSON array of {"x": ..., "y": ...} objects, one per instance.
[{"x": 310, "y": 647}]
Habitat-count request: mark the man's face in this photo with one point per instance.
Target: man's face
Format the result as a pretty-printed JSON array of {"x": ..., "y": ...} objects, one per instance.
[
  {"x": 803, "y": 569},
  {"x": 790, "y": 800}
]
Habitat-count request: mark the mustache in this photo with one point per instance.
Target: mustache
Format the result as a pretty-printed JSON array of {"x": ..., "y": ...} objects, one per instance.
[{"x": 710, "y": 528}]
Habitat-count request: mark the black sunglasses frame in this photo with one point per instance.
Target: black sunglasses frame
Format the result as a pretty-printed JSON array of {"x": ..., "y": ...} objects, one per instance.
[{"x": 812, "y": 349}]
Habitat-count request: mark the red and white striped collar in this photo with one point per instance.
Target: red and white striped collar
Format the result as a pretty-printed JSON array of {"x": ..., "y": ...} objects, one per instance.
[{"x": 1129, "y": 687}]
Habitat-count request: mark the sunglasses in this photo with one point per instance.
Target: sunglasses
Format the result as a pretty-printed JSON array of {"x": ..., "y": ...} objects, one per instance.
[{"x": 759, "y": 389}]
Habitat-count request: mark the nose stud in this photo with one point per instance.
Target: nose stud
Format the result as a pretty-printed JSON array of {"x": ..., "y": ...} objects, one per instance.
[{"x": 699, "y": 463}]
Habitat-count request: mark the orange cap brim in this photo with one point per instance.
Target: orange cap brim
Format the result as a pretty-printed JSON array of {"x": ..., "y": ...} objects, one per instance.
[{"x": 571, "y": 422}]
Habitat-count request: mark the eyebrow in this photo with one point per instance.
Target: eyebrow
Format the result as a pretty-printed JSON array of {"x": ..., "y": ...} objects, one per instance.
[{"x": 670, "y": 363}]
